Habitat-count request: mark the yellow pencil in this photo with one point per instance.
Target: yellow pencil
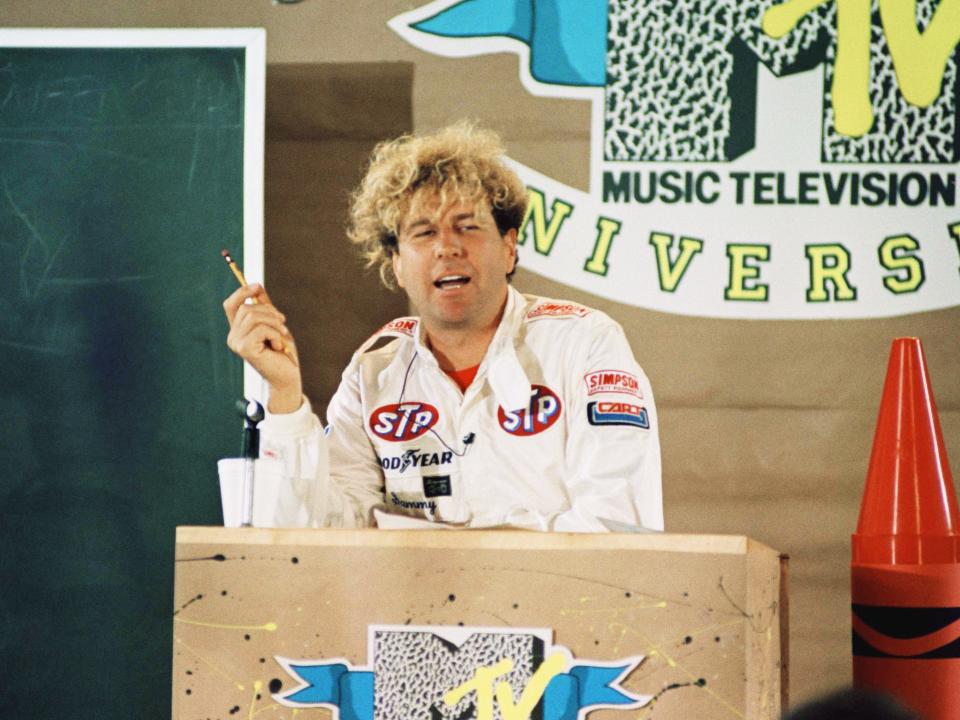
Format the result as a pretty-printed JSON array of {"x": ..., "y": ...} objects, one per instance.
[{"x": 238, "y": 274}]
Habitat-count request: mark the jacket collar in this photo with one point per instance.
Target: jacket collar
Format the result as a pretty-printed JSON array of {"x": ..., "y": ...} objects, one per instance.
[
  {"x": 506, "y": 375},
  {"x": 500, "y": 364}
]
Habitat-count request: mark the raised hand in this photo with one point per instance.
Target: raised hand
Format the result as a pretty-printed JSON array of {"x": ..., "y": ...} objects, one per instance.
[{"x": 258, "y": 334}]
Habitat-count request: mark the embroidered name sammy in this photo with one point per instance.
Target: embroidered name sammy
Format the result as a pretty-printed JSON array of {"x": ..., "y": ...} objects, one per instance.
[{"x": 617, "y": 413}]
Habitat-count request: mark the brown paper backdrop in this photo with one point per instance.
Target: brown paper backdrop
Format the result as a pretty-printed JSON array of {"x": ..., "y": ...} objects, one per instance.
[
  {"x": 766, "y": 427},
  {"x": 322, "y": 122}
]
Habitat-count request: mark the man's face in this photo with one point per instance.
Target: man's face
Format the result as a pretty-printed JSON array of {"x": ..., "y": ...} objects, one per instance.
[{"x": 453, "y": 262}]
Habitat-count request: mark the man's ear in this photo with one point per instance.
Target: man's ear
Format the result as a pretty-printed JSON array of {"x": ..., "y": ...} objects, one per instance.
[
  {"x": 395, "y": 261},
  {"x": 510, "y": 242}
]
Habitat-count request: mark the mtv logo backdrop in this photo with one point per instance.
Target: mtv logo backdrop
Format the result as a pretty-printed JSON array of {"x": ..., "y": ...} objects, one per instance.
[
  {"x": 461, "y": 672},
  {"x": 749, "y": 158}
]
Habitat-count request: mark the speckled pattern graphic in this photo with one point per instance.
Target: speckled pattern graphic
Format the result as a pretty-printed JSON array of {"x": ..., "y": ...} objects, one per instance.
[
  {"x": 409, "y": 667},
  {"x": 681, "y": 84}
]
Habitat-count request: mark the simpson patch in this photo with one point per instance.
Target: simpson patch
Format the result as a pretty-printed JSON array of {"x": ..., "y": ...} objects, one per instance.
[
  {"x": 392, "y": 330},
  {"x": 404, "y": 325},
  {"x": 612, "y": 381},
  {"x": 557, "y": 310}
]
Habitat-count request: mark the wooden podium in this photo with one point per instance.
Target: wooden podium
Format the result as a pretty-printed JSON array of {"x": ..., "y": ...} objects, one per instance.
[{"x": 395, "y": 625}]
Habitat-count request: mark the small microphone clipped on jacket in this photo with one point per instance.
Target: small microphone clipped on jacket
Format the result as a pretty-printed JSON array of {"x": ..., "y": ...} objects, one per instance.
[{"x": 469, "y": 438}]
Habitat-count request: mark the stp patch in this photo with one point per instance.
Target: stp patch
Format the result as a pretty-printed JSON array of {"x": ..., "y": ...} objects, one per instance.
[
  {"x": 403, "y": 422},
  {"x": 541, "y": 412},
  {"x": 617, "y": 413}
]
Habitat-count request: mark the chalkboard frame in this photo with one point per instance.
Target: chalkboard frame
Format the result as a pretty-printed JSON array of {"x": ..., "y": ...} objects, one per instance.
[
  {"x": 87, "y": 544},
  {"x": 254, "y": 43}
]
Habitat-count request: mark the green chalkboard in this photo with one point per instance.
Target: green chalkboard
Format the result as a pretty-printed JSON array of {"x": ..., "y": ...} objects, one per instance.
[{"x": 121, "y": 177}]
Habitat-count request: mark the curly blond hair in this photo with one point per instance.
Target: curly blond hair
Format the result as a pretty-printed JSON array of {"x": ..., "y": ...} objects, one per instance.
[{"x": 462, "y": 162}]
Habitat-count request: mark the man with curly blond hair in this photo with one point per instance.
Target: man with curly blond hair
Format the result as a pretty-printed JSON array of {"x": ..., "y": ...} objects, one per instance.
[{"x": 490, "y": 407}]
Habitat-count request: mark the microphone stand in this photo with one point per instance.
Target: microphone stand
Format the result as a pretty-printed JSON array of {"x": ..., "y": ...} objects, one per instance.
[{"x": 253, "y": 413}]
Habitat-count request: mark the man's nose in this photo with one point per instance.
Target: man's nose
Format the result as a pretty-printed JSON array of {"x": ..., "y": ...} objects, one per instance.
[{"x": 448, "y": 243}]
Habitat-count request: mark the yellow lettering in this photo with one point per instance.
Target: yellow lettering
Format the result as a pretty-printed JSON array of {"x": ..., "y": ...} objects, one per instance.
[
  {"x": 850, "y": 90},
  {"x": 829, "y": 264},
  {"x": 544, "y": 232},
  {"x": 781, "y": 19},
  {"x": 955, "y": 231},
  {"x": 920, "y": 59},
  {"x": 551, "y": 667},
  {"x": 743, "y": 273},
  {"x": 606, "y": 231},
  {"x": 482, "y": 684},
  {"x": 896, "y": 253},
  {"x": 671, "y": 274}
]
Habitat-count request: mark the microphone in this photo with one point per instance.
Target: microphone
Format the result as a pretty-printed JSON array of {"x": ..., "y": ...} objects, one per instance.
[{"x": 467, "y": 441}]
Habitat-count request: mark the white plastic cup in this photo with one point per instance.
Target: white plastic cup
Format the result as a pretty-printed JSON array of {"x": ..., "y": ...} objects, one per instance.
[{"x": 266, "y": 487}]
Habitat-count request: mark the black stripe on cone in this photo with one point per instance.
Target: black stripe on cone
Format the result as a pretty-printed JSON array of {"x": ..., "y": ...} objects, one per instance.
[{"x": 904, "y": 623}]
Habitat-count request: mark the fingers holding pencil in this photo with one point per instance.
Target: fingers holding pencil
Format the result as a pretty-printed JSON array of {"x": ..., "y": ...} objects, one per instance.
[
  {"x": 239, "y": 297},
  {"x": 255, "y": 328},
  {"x": 259, "y": 334},
  {"x": 257, "y": 295}
]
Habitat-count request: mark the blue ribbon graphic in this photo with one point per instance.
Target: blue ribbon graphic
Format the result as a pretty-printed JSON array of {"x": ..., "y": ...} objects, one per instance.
[
  {"x": 349, "y": 690},
  {"x": 583, "y": 686},
  {"x": 567, "y": 38},
  {"x": 566, "y": 695}
]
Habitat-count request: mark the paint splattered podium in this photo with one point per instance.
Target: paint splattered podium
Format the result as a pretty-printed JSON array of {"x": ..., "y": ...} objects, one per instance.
[{"x": 403, "y": 625}]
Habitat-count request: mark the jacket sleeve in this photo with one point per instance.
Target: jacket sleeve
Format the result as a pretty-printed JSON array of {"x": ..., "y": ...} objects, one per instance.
[
  {"x": 311, "y": 494},
  {"x": 613, "y": 446},
  {"x": 613, "y": 443}
]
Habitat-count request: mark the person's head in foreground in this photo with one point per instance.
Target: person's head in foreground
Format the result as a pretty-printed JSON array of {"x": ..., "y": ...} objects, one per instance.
[{"x": 853, "y": 704}]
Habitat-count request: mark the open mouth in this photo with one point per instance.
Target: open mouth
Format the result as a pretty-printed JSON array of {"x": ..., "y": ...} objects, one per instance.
[{"x": 449, "y": 282}]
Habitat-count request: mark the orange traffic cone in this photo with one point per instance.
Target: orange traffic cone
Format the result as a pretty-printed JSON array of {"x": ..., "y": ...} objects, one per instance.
[{"x": 905, "y": 573}]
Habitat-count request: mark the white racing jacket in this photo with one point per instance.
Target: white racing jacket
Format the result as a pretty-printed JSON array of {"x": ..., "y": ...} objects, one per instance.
[{"x": 558, "y": 431}]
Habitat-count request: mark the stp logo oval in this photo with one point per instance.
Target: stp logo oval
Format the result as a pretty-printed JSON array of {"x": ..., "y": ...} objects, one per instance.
[
  {"x": 404, "y": 421},
  {"x": 541, "y": 412}
]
